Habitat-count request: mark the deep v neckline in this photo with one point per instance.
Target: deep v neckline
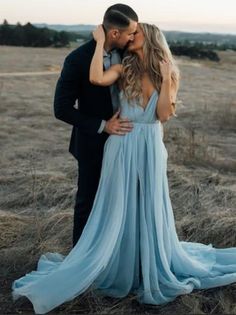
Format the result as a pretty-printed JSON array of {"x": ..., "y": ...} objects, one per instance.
[{"x": 144, "y": 108}]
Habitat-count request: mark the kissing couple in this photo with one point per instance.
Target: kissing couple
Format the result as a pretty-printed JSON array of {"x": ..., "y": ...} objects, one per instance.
[{"x": 117, "y": 90}]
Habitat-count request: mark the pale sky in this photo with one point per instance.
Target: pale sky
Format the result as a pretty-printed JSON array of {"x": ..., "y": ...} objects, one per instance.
[{"x": 199, "y": 15}]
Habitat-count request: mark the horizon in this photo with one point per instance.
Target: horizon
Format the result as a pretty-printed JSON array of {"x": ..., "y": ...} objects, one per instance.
[{"x": 183, "y": 30}]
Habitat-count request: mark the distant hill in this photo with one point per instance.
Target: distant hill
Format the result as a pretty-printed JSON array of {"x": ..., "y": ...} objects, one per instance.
[
  {"x": 82, "y": 29},
  {"x": 172, "y": 36},
  {"x": 68, "y": 28},
  {"x": 207, "y": 38}
]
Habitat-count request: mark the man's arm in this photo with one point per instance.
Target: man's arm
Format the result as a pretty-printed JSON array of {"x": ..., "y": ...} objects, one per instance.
[{"x": 66, "y": 93}]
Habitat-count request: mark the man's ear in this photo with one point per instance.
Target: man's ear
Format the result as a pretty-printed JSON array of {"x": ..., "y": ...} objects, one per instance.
[{"x": 115, "y": 33}]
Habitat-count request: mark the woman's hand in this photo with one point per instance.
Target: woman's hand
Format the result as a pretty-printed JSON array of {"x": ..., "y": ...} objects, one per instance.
[
  {"x": 99, "y": 34},
  {"x": 166, "y": 69}
]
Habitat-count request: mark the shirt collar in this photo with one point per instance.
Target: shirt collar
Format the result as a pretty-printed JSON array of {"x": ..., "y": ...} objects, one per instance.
[{"x": 107, "y": 54}]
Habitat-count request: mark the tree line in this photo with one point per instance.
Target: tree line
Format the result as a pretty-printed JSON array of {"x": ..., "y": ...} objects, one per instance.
[
  {"x": 30, "y": 36},
  {"x": 194, "y": 51}
]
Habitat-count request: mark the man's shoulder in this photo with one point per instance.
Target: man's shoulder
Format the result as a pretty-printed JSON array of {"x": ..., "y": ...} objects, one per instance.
[{"x": 82, "y": 51}]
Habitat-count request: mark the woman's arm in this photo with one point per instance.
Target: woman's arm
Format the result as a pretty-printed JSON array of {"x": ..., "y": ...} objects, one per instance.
[
  {"x": 96, "y": 74},
  {"x": 167, "y": 98}
]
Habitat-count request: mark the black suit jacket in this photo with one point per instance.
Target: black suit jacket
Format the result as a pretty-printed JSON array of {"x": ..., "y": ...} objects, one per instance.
[{"x": 94, "y": 104}]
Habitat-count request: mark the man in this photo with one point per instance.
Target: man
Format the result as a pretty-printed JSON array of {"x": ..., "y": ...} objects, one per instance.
[{"x": 97, "y": 115}]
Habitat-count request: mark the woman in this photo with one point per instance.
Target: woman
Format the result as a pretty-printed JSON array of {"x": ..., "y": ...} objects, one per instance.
[
  {"x": 148, "y": 66},
  {"x": 129, "y": 244}
]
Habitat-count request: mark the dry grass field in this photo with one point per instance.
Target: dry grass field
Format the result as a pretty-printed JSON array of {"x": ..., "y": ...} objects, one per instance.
[{"x": 38, "y": 175}]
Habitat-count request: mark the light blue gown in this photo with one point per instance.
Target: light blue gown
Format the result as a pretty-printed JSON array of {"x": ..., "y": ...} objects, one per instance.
[{"x": 130, "y": 230}]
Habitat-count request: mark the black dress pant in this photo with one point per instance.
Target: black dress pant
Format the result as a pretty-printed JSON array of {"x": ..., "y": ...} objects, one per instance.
[{"x": 88, "y": 178}]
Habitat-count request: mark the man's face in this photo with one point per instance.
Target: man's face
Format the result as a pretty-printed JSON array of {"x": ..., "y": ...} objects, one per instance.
[
  {"x": 138, "y": 41},
  {"x": 121, "y": 38}
]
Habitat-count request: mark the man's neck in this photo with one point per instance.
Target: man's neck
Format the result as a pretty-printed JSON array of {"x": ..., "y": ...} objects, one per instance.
[{"x": 108, "y": 46}]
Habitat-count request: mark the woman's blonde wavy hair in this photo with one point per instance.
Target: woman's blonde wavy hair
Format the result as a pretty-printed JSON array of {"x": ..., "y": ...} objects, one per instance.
[{"x": 155, "y": 49}]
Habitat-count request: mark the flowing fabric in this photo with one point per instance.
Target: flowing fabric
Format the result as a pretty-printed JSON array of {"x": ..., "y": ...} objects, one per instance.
[{"x": 130, "y": 244}]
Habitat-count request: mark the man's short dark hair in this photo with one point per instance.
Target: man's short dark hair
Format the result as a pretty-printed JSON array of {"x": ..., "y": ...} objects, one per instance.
[{"x": 119, "y": 15}]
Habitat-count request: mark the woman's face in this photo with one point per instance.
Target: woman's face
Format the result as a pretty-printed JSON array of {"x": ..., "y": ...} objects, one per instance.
[{"x": 137, "y": 43}]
